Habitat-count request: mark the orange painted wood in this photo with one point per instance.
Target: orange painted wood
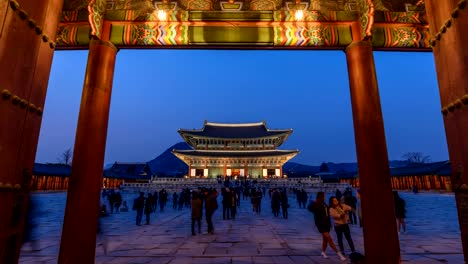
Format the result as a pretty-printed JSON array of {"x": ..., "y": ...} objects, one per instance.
[
  {"x": 451, "y": 58},
  {"x": 371, "y": 148},
  {"x": 78, "y": 242},
  {"x": 25, "y": 62}
]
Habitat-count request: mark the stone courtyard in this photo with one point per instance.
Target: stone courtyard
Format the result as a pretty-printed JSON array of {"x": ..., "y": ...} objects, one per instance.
[{"x": 433, "y": 235}]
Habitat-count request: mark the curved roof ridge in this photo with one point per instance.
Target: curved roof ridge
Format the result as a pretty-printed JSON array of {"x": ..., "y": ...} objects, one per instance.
[
  {"x": 262, "y": 123},
  {"x": 240, "y": 151}
]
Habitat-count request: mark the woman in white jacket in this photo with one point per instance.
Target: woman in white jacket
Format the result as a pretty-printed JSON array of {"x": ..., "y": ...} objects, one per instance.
[{"x": 339, "y": 213}]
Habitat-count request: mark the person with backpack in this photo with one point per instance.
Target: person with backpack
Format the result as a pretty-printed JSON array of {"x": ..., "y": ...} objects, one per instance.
[{"x": 322, "y": 221}]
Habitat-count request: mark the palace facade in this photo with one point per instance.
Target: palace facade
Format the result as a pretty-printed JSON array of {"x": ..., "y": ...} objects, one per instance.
[{"x": 235, "y": 150}]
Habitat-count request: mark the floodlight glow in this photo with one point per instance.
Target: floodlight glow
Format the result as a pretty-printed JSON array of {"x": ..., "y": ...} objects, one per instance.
[
  {"x": 299, "y": 15},
  {"x": 162, "y": 15}
]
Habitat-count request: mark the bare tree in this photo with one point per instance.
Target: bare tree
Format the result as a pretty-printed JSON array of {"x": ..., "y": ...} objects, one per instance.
[
  {"x": 66, "y": 157},
  {"x": 416, "y": 157}
]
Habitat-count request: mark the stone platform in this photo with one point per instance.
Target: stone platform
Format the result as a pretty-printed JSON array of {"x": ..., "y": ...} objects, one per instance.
[{"x": 433, "y": 235}]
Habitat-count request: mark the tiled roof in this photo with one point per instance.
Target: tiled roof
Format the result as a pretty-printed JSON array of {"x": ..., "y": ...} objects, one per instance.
[
  {"x": 50, "y": 169},
  {"x": 121, "y": 170},
  {"x": 240, "y": 130},
  {"x": 232, "y": 154},
  {"x": 435, "y": 168}
]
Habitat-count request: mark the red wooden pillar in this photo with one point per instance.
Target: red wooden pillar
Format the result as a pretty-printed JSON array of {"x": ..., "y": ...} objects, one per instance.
[
  {"x": 371, "y": 147},
  {"x": 27, "y": 33},
  {"x": 448, "y": 21},
  {"x": 81, "y": 214}
]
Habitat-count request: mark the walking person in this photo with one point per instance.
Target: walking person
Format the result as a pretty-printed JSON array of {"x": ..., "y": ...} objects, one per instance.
[
  {"x": 350, "y": 200},
  {"x": 227, "y": 203},
  {"x": 323, "y": 224},
  {"x": 211, "y": 205},
  {"x": 138, "y": 206},
  {"x": 339, "y": 213},
  {"x": 197, "y": 209},
  {"x": 358, "y": 206},
  {"x": 275, "y": 202},
  {"x": 400, "y": 212},
  {"x": 148, "y": 208},
  {"x": 118, "y": 201},
  {"x": 175, "y": 197},
  {"x": 284, "y": 203}
]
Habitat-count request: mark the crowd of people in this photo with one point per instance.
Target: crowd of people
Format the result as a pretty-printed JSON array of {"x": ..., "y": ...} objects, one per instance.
[{"x": 342, "y": 209}]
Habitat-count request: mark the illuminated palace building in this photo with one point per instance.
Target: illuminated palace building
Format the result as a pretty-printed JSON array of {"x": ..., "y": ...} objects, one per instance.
[{"x": 235, "y": 150}]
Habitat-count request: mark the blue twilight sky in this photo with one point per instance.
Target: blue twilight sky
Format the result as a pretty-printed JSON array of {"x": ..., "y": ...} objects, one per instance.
[{"x": 156, "y": 92}]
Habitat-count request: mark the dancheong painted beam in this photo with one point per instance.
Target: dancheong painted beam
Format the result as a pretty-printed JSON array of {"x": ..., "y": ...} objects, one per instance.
[{"x": 252, "y": 24}]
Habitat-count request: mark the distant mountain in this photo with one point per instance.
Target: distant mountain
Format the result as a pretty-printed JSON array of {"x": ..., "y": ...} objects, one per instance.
[
  {"x": 167, "y": 164},
  {"x": 293, "y": 169}
]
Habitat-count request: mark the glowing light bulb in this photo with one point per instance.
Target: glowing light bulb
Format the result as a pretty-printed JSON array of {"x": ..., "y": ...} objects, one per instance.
[
  {"x": 162, "y": 15},
  {"x": 299, "y": 15}
]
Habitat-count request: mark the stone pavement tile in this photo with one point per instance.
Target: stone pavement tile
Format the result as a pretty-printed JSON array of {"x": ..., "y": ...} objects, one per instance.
[
  {"x": 194, "y": 244},
  {"x": 302, "y": 260},
  {"x": 160, "y": 260},
  {"x": 169, "y": 245},
  {"x": 189, "y": 252},
  {"x": 242, "y": 260},
  {"x": 277, "y": 245},
  {"x": 221, "y": 260},
  {"x": 452, "y": 258},
  {"x": 215, "y": 251},
  {"x": 104, "y": 259},
  {"x": 333, "y": 259},
  {"x": 129, "y": 253},
  {"x": 262, "y": 260},
  {"x": 160, "y": 251},
  {"x": 221, "y": 245},
  {"x": 422, "y": 260},
  {"x": 35, "y": 259},
  {"x": 412, "y": 250},
  {"x": 182, "y": 260},
  {"x": 241, "y": 252},
  {"x": 439, "y": 249},
  {"x": 273, "y": 252},
  {"x": 300, "y": 252},
  {"x": 306, "y": 246},
  {"x": 130, "y": 260},
  {"x": 282, "y": 260}
]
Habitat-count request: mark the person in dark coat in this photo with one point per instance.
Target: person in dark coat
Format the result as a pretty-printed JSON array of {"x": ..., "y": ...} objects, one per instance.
[
  {"x": 175, "y": 197},
  {"x": 284, "y": 203},
  {"x": 148, "y": 207},
  {"x": 138, "y": 206},
  {"x": 227, "y": 201},
  {"x": 118, "y": 201},
  {"x": 275, "y": 202},
  {"x": 211, "y": 205},
  {"x": 197, "y": 209},
  {"x": 400, "y": 211},
  {"x": 323, "y": 224}
]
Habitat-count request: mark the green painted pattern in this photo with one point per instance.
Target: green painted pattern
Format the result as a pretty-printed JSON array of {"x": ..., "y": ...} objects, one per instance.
[
  {"x": 401, "y": 37},
  {"x": 231, "y": 16},
  {"x": 73, "y": 35},
  {"x": 231, "y": 35}
]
